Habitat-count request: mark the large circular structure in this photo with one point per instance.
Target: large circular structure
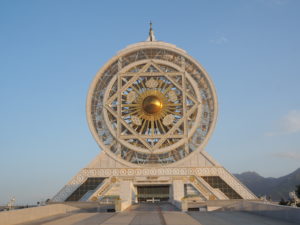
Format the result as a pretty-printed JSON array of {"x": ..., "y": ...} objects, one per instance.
[{"x": 152, "y": 104}]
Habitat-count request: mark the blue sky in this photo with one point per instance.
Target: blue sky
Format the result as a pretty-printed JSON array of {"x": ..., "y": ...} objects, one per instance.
[{"x": 51, "y": 50}]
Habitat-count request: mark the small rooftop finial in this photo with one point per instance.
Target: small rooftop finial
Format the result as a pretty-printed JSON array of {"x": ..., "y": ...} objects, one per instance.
[{"x": 151, "y": 36}]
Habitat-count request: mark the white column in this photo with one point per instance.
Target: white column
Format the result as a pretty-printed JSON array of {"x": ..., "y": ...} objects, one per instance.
[
  {"x": 126, "y": 190},
  {"x": 178, "y": 192}
]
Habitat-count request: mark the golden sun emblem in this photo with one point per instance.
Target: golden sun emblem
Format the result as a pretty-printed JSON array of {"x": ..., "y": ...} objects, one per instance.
[{"x": 152, "y": 105}]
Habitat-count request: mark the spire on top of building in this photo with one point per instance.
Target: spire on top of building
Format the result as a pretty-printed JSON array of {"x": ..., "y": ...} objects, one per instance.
[{"x": 151, "y": 36}]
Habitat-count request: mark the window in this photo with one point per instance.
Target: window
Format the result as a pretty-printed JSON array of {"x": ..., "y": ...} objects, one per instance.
[
  {"x": 217, "y": 182},
  {"x": 90, "y": 184}
]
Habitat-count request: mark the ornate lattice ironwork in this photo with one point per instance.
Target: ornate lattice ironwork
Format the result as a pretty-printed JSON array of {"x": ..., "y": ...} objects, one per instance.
[{"x": 151, "y": 104}]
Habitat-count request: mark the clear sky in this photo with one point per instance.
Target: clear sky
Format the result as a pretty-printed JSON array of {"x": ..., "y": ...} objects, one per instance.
[{"x": 50, "y": 51}]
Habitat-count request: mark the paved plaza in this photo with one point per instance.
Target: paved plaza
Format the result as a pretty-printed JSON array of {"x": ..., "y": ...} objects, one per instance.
[{"x": 158, "y": 214}]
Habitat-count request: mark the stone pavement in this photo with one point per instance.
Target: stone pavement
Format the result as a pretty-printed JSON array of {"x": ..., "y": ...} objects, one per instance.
[{"x": 159, "y": 214}]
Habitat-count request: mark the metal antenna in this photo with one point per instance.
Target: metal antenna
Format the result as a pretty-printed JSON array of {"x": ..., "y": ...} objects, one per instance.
[{"x": 151, "y": 36}]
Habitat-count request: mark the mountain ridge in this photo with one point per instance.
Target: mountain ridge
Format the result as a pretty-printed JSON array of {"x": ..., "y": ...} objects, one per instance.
[{"x": 276, "y": 188}]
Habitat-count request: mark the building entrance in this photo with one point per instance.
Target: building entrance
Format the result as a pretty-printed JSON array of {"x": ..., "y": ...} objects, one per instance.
[{"x": 154, "y": 193}]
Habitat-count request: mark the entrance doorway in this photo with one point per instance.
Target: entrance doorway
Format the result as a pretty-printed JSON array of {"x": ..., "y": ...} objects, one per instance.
[{"x": 154, "y": 193}]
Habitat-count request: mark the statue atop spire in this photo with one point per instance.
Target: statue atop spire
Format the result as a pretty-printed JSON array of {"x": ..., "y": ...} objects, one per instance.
[{"x": 151, "y": 36}]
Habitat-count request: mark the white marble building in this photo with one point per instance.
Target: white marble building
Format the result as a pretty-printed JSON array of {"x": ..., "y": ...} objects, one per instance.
[{"x": 152, "y": 109}]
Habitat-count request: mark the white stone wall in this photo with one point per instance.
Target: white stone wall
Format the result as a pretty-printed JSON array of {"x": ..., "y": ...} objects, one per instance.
[{"x": 34, "y": 213}]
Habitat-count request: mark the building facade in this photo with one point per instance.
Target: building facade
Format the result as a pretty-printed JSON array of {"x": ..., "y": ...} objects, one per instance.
[{"x": 152, "y": 109}]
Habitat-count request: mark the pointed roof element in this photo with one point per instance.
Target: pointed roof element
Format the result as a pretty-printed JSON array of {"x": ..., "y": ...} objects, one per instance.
[{"x": 151, "y": 36}]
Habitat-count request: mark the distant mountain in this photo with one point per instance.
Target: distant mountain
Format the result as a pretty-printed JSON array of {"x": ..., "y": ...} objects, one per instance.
[{"x": 276, "y": 188}]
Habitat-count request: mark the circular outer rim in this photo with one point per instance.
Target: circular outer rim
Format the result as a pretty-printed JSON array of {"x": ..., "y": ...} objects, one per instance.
[
  {"x": 165, "y": 149},
  {"x": 132, "y": 48}
]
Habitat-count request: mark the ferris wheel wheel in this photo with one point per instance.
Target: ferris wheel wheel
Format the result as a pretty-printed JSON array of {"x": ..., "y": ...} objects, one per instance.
[{"x": 152, "y": 104}]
